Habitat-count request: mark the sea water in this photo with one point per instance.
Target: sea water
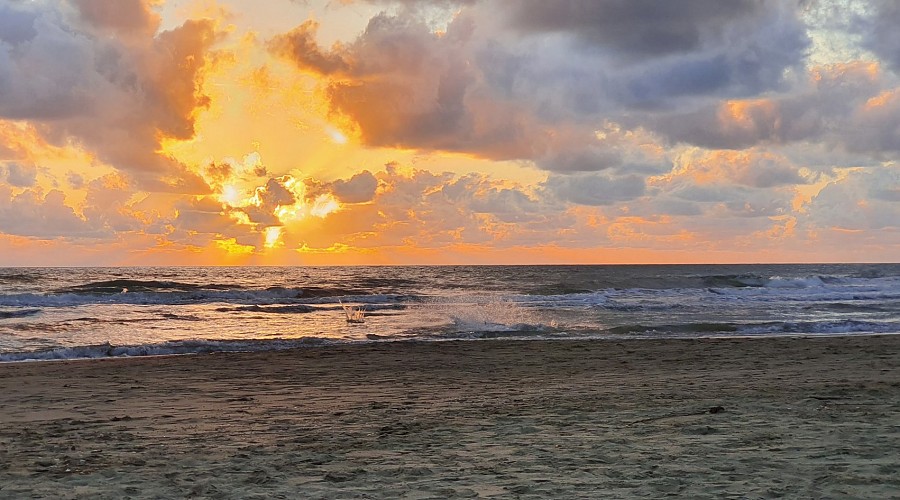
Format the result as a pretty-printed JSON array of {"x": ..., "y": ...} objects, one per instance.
[{"x": 62, "y": 313}]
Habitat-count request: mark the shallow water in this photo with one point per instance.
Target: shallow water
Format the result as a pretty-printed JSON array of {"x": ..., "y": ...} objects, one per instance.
[{"x": 55, "y": 313}]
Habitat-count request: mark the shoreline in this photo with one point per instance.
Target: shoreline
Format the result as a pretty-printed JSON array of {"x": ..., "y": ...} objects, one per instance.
[
  {"x": 807, "y": 416},
  {"x": 323, "y": 342}
]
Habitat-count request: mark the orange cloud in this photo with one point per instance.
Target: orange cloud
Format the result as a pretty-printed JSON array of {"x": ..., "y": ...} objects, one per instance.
[
  {"x": 103, "y": 78},
  {"x": 753, "y": 168}
]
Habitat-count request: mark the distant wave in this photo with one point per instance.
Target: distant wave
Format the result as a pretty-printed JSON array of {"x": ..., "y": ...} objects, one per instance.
[
  {"x": 847, "y": 294},
  {"x": 707, "y": 281},
  {"x": 175, "y": 294},
  {"x": 809, "y": 291},
  {"x": 647, "y": 294},
  {"x": 733, "y": 281},
  {"x": 20, "y": 313},
  {"x": 756, "y": 281},
  {"x": 131, "y": 285},
  {"x": 117, "y": 286},
  {"x": 17, "y": 277}
]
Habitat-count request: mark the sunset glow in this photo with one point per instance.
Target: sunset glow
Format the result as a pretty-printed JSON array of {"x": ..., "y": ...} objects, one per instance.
[{"x": 224, "y": 132}]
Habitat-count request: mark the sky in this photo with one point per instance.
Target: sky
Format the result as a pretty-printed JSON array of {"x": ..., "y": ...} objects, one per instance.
[{"x": 343, "y": 132}]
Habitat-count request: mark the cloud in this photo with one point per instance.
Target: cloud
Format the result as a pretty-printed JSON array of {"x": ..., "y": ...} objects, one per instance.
[
  {"x": 32, "y": 213},
  {"x": 108, "y": 208},
  {"x": 122, "y": 17},
  {"x": 677, "y": 125},
  {"x": 636, "y": 28},
  {"x": 878, "y": 28},
  {"x": 269, "y": 198},
  {"x": 359, "y": 188},
  {"x": 21, "y": 174},
  {"x": 596, "y": 189},
  {"x": 16, "y": 23},
  {"x": 723, "y": 185},
  {"x": 405, "y": 86},
  {"x": 535, "y": 80},
  {"x": 847, "y": 105},
  {"x": 118, "y": 96},
  {"x": 300, "y": 46},
  {"x": 875, "y": 126},
  {"x": 609, "y": 147},
  {"x": 861, "y": 200},
  {"x": 205, "y": 215},
  {"x": 75, "y": 180},
  {"x": 422, "y": 209},
  {"x": 750, "y": 168}
]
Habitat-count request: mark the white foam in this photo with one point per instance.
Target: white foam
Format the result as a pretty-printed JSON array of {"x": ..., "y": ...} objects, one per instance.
[
  {"x": 808, "y": 282},
  {"x": 491, "y": 316}
]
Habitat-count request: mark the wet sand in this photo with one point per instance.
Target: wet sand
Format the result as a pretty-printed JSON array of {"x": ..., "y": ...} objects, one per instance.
[{"x": 807, "y": 417}]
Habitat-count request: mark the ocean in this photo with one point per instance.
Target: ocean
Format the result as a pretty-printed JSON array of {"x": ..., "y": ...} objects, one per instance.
[{"x": 66, "y": 313}]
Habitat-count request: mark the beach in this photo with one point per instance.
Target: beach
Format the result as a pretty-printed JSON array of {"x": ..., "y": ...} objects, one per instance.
[{"x": 699, "y": 418}]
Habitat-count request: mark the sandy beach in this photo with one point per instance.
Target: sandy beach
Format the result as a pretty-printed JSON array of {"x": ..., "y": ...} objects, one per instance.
[{"x": 799, "y": 417}]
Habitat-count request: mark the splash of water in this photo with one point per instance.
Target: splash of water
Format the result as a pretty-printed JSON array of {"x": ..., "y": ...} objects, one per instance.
[{"x": 491, "y": 316}]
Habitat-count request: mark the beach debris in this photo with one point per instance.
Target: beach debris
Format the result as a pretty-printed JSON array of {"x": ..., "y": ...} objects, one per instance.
[
  {"x": 717, "y": 409},
  {"x": 355, "y": 314}
]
